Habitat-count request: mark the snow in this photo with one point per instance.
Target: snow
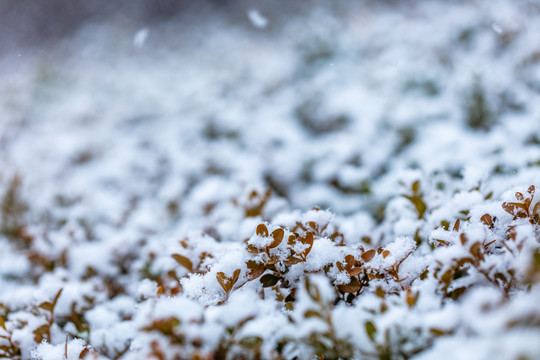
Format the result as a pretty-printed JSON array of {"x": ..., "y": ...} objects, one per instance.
[
  {"x": 130, "y": 147},
  {"x": 257, "y": 19}
]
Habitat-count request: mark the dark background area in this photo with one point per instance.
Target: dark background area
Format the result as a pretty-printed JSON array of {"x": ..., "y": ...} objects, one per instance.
[{"x": 26, "y": 23}]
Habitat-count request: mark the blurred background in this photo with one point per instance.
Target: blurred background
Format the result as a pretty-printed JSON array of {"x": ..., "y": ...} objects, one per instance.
[
  {"x": 31, "y": 23},
  {"x": 325, "y": 103}
]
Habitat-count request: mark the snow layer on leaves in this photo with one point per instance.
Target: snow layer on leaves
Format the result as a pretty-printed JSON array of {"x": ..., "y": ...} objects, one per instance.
[{"x": 395, "y": 160}]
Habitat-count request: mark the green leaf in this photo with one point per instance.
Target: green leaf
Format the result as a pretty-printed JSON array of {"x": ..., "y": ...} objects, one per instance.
[
  {"x": 251, "y": 342},
  {"x": 269, "y": 280},
  {"x": 371, "y": 330},
  {"x": 416, "y": 187},
  {"x": 312, "y": 313}
]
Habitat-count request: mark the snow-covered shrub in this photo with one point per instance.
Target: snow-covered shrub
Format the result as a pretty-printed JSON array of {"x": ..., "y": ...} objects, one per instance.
[{"x": 359, "y": 184}]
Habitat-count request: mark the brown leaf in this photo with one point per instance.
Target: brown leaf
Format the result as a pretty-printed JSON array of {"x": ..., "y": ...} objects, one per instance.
[
  {"x": 256, "y": 269},
  {"x": 292, "y": 260},
  {"x": 41, "y": 333},
  {"x": 456, "y": 225},
  {"x": 508, "y": 208},
  {"x": 262, "y": 230},
  {"x": 349, "y": 260},
  {"x": 442, "y": 242},
  {"x": 368, "y": 255},
  {"x": 184, "y": 261},
  {"x": 519, "y": 205},
  {"x": 519, "y": 196},
  {"x": 352, "y": 287},
  {"x": 385, "y": 253},
  {"x": 57, "y": 297},
  {"x": 476, "y": 251},
  {"x": 226, "y": 282},
  {"x": 411, "y": 297},
  {"x": 47, "y": 306},
  {"x": 253, "y": 250},
  {"x": 463, "y": 239},
  {"x": 83, "y": 353},
  {"x": 487, "y": 220},
  {"x": 536, "y": 213},
  {"x": 278, "y": 237},
  {"x": 355, "y": 271},
  {"x": 307, "y": 239},
  {"x": 531, "y": 190},
  {"x": 235, "y": 277},
  {"x": 291, "y": 240}
]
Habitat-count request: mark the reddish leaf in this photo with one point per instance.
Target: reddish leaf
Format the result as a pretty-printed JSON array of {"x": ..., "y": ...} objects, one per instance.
[
  {"x": 368, "y": 255},
  {"x": 83, "y": 353}
]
